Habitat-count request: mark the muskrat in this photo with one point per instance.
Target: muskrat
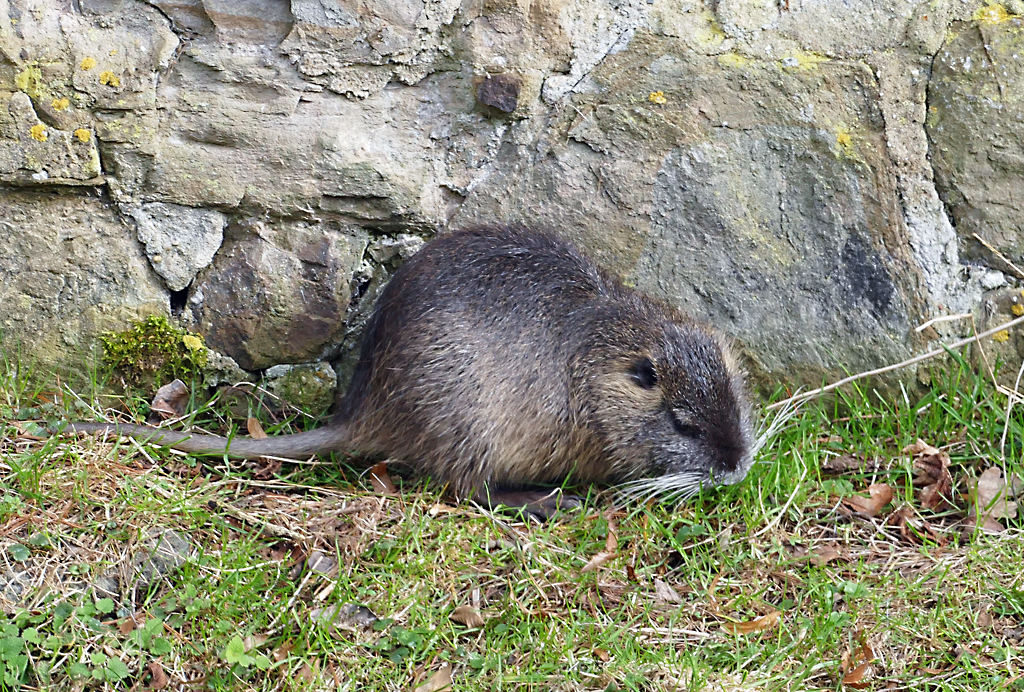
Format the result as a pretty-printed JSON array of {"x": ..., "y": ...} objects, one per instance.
[{"x": 501, "y": 358}]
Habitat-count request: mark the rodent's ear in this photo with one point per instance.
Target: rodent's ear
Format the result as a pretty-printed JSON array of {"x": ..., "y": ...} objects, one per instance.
[{"x": 642, "y": 372}]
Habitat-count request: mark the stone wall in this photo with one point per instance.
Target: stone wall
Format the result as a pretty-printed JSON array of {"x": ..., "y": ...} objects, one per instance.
[{"x": 813, "y": 177}]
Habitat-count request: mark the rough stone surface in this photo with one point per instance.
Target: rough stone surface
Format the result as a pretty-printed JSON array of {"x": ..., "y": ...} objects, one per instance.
[
  {"x": 976, "y": 108},
  {"x": 71, "y": 270},
  {"x": 808, "y": 176},
  {"x": 309, "y": 386},
  {"x": 161, "y": 552},
  {"x": 278, "y": 293},
  {"x": 758, "y": 197},
  {"x": 179, "y": 241}
]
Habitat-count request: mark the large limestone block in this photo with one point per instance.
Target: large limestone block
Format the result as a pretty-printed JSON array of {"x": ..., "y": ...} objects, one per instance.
[
  {"x": 757, "y": 195},
  {"x": 32, "y": 153},
  {"x": 356, "y": 47},
  {"x": 976, "y": 107},
  {"x": 179, "y": 241},
  {"x": 69, "y": 269}
]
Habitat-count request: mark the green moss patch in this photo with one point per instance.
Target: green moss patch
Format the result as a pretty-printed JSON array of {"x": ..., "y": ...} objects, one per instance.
[{"x": 153, "y": 352}]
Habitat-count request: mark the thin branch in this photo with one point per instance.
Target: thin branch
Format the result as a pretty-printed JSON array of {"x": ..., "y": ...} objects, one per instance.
[
  {"x": 1017, "y": 270},
  {"x": 889, "y": 368}
]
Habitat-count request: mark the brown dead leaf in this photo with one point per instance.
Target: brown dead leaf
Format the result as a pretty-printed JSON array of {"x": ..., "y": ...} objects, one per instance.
[
  {"x": 880, "y": 496},
  {"x": 854, "y": 677},
  {"x": 842, "y": 464},
  {"x": 913, "y": 528},
  {"x": 306, "y": 674},
  {"x": 821, "y": 555},
  {"x": 985, "y": 618},
  {"x": 440, "y": 680},
  {"x": 761, "y": 624},
  {"x": 171, "y": 400},
  {"x": 127, "y": 625},
  {"x": 599, "y": 560},
  {"x": 855, "y": 664},
  {"x": 611, "y": 546},
  {"x": 255, "y": 429},
  {"x": 933, "y": 480},
  {"x": 611, "y": 543},
  {"x": 381, "y": 481},
  {"x": 158, "y": 679},
  {"x": 992, "y": 493},
  {"x": 989, "y": 503},
  {"x": 253, "y": 641},
  {"x": 468, "y": 616},
  {"x": 787, "y": 579},
  {"x": 603, "y": 655},
  {"x": 664, "y": 592},
  {"x": 442, "y": 508},
  {"x": 920, "y": 447},
  {"x": 987, "y": 525},
  {"x": 282, "y": 652}
]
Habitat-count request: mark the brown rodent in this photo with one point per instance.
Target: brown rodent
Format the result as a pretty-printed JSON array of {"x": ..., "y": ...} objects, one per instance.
[{"x": 501, "y": 358}]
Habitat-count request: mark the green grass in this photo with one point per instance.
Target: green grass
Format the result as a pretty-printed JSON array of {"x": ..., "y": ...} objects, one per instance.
[{"x": 245, "y": 610}]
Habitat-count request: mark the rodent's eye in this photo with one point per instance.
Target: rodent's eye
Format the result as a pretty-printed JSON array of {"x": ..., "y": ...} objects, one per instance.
[
  {"x": 682, "y": 428},
  {"x": 643, "y": 373}
]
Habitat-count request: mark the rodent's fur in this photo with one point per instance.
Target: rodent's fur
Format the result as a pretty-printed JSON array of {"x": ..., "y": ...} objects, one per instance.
[{"x": 499, "y": 358}]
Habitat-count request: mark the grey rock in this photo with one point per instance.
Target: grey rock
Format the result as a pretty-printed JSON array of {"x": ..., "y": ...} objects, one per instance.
[
  {"x": 223, "y": 370},
  {"x": 321, "y": 563},
  {"x": 33, "y": 152},
  {"x": 70, "y": 270},
  {"x": 349, "y": 616},
  {"x": 992, "y": 279},
  {"x": 974, "y": 126},
  {"x": 161, "y": 552},
  {"x": 404, "y": 246},
  {"x": 309, "y": 386},
  {"x": 278, "y": 293},
  {"x": 500, "y": 91},
  {"x": 179, "y": 240}
]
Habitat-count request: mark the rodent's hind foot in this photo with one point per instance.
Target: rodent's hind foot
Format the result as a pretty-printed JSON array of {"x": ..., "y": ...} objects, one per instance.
[{"x": 542, "y": 504}]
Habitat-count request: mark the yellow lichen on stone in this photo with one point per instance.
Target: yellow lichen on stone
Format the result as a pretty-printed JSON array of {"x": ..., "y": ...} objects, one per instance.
[
  {"x": 30, "y": 80},
  {"x": 38, "y": 132},
  {"x": 803, "y": 60},
  {"x": 83, "y": 134},
  {"x": 1001, "y": 337},
  {"x": 1017, "y": 310},
  {"x": 844, "y": 143},
  {"x": 709, "y": 33},
  {"x": 733, "y": 60},
  {"x": 992, "y": 13},
  {"x": 113, "y": 52},
  {"x": 88, "y": 63},
  {"x": 657, "y": 97},
  {"x": 60, "y": 104},
  {"x": 110, "y": 79}
]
